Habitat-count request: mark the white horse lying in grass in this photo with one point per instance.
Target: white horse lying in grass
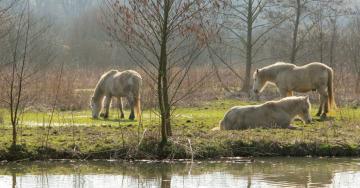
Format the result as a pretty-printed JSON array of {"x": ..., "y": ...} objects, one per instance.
[
  {"x": 117, "y": 84},
  {"x": 289, "y": 77},
  {"x": 272, "y": 114}
]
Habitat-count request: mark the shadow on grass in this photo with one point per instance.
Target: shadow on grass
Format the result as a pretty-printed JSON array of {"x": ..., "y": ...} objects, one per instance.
[
  {"x": 115, "y": 120},
  {"x": 320, "y": 119}
]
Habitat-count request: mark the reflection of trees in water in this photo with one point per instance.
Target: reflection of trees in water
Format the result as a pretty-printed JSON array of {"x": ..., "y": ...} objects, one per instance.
[
  {"x": 292, "y": 171},
  {"x": 13, "y": 175},
  {"x": 79, "y": 180},
  {"x": 165, "y": 180},
  {"x": 249, "y": 182}
]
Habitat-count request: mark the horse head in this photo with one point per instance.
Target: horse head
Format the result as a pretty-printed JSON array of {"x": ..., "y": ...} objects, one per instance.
[
  {"x": 95, "y": 106},
  {"x": 259, "y": 82},
  {"x": 304, "y": 110}
]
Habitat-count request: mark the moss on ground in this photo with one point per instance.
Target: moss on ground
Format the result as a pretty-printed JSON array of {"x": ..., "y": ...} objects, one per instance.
[{"x": 76, "y": 135}]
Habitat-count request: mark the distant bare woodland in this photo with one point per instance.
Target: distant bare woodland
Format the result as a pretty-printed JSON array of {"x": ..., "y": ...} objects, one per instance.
[{"x": 75, "y": 37}]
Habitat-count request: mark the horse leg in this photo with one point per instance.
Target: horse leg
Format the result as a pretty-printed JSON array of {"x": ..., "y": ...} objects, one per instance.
[
  {"x": 131, "y": 103},
  {"x": 284, "y": 122},
  {"x": 121, "y": 108},
  {"x": 324, "y": 102},
  {"x": 283, "y": 93},
  {"x": 290, "y": 93},
  {"x": 320, "y": 106},
  {"x": 106, "y": 107},
  {"x": 326, "y": 106}
]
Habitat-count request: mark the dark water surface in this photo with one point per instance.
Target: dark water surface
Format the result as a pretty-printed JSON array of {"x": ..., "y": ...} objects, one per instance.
[{"x": 262, "y": 172}]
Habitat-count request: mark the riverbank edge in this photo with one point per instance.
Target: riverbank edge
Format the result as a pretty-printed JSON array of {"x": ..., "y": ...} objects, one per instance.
[{"x": 152, "y": 150}]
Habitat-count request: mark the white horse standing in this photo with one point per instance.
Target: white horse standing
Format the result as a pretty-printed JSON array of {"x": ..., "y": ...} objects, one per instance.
[
  {"x": 289, "y": 77},
  {"x": 117, "y": 84},
  {"x": 272, "y": 114}
]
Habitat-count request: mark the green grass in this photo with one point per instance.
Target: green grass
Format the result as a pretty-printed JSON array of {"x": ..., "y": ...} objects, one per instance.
[{"x": 76, "y": 135}]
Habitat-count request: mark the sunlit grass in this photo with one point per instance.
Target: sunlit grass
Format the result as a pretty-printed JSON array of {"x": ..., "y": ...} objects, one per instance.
[
  {"x": 75, "y": 133},
  {"x": 208, "y": 114}
]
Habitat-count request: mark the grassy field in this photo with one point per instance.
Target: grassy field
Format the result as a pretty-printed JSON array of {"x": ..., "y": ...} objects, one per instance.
[{"x": 76, "y": 135}]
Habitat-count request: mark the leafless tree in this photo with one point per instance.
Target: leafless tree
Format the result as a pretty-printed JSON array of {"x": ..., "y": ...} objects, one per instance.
[
  {"x": 298, "y": 12},
  {"x": 4, "y": 16},
  {"x": 75, "y": 7},
  {"x": 164, "y": 38},
  {"x": 353, "y": 41},
  {"x": 19, "y": 67},
  {"x": 246, "y": 26},
  {"x": 325, "y": 15},
  {"x": 18, "y": 63}
]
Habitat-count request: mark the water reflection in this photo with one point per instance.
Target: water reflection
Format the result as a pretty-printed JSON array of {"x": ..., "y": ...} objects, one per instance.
[{"x": 271, "y": 172}]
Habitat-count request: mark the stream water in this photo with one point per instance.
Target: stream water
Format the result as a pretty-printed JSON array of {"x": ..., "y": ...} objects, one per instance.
[{"x": 262, "y": 172}]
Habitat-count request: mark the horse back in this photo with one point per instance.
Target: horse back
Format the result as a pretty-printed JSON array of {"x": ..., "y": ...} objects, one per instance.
[
  {"x": 125, "y": 83},
  {"x": 308, "y": 77},
  {"x": 244, "y": 117}
]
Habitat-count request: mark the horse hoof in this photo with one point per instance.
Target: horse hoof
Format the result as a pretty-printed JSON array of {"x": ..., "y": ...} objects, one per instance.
[
  {"x": 122, "y": 116},
  {"x": 323, "y": 117},
  {"x": 102, "y": 115},
  {"x": 318, "y": 114}
]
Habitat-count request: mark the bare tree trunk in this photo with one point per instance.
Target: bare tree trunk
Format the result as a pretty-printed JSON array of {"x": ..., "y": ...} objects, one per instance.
[
  {"x": 162, "y": 79},
  {"x": 321, "y": 41},
  {"x": 357, "y": 87},
  {"x": 246, "y": 85},
  {"x": 18, "y": 71},
  {"x": 13, "y": 115},
  {"x": 333, "y": 42},
  {"x": 295, "y": 34},
  {"x": 319, "y": 20},
  {"x": 153, "y": 24}
]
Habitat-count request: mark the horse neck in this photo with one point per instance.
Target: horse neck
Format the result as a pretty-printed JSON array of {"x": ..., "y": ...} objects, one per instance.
[
  {"x": 272, "y": 72},
  {"x": 291, "y": 107},
  {"x": 98, "y": 93},
  {"x": 270, "y": 75}
]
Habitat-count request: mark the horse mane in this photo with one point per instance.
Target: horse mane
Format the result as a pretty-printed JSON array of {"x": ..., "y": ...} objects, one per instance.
[
  {"x": 279, "y": 66},
  {"x": 100, "y": 83},
  {"x": 271, "y": 71},
  {"x": 286, "y": 102}
]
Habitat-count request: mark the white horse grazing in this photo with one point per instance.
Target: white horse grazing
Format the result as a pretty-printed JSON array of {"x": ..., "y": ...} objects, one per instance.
[
  {"x": 289, "y": 77},
  {"x": 272, "y": 114},
  {"x": 117, "y": 84}
]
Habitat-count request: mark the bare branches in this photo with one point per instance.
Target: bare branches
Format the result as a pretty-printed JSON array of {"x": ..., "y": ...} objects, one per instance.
[
  {"x": 244, "y": 20},
  {"x": 19, "y": 65},
  {"x": 164, "y": 38}
]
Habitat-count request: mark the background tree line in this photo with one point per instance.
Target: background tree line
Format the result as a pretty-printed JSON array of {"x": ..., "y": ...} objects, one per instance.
[{"x": 168, "y": 39}]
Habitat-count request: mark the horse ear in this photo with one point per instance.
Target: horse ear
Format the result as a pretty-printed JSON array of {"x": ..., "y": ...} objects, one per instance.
[{"x": 257, "y": 70}]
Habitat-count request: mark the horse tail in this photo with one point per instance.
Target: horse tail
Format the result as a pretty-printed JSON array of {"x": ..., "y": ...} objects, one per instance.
[
  {"x": 330, "y": 84},
  {"x": 138, "y": 99},
  {"x": 138, "y": 107}
]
